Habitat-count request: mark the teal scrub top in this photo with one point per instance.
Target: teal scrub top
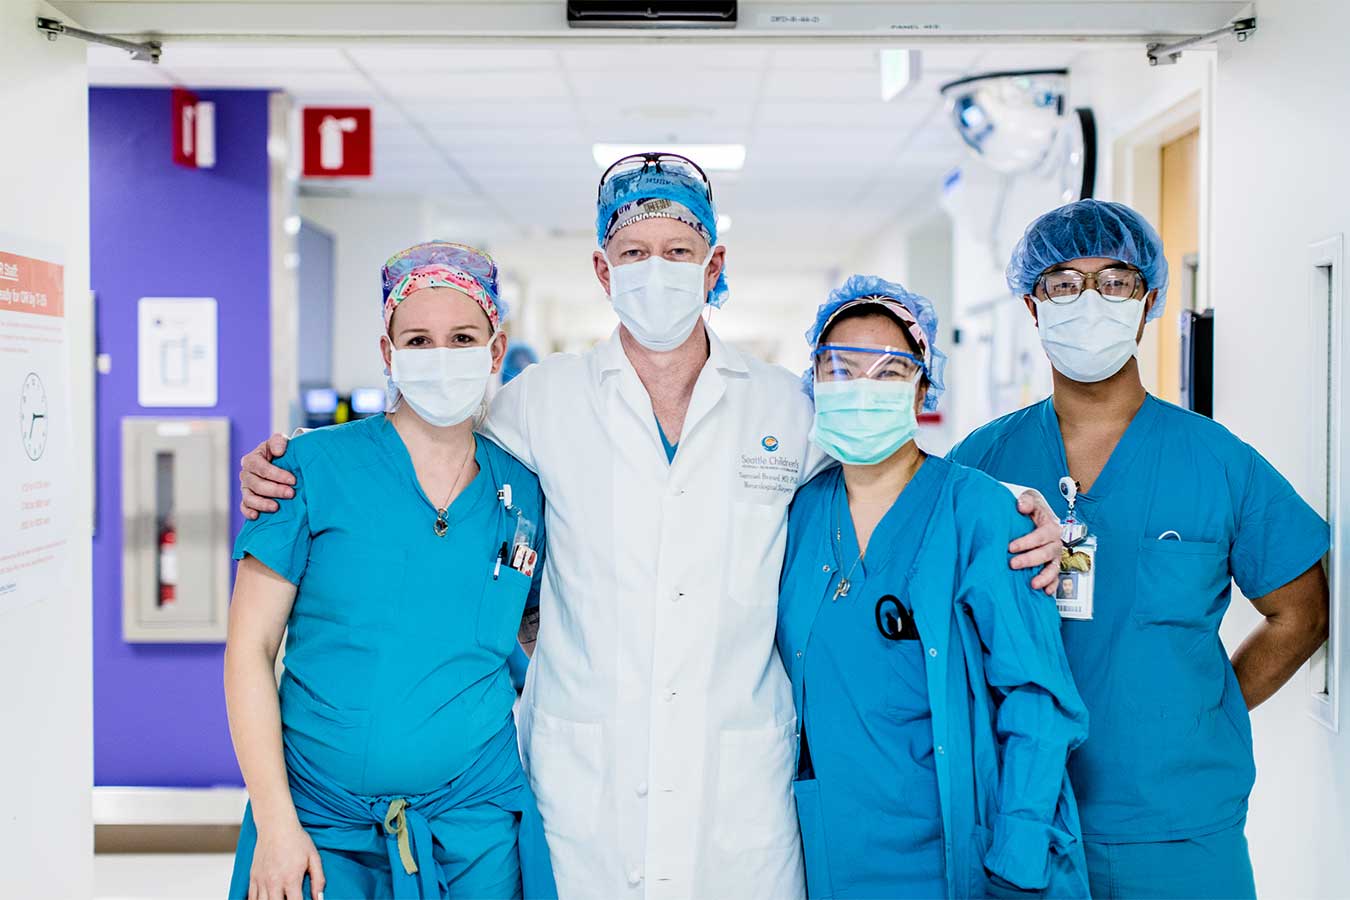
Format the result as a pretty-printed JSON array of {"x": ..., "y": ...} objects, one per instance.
[
  {"x": 396, "y": 675},
  {"x": 977, "y": 727},
  {"x": 866, "y": 708},
  {"x": 1170, "y": 752}
]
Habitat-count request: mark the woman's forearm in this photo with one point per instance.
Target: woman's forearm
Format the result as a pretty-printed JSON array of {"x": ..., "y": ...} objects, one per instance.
[{"x": 255, "y": 728}]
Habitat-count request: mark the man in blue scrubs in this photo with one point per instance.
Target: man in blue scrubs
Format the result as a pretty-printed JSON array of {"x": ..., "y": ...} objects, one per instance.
[{"x": 1164, "y": 509}]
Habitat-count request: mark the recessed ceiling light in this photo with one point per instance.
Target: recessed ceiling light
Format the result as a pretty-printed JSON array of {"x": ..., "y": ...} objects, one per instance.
[{"x": 711, "y": 157}]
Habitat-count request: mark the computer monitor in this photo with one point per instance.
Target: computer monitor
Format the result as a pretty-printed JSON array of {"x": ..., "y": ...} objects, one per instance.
[
  {"x": 367, "y": 401},
  {"x": 320, "y": 401}
]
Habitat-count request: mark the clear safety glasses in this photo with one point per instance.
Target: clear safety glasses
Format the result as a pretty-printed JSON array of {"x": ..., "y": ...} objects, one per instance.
[
  {"x": 1067, "y": 285},
  {"x": 671, "y": 163},
  {"x": 459, "y": 256},
  {"x": 837, "y": 362}
]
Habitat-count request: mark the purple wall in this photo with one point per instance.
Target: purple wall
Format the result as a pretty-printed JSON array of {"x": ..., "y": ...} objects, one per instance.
[{"x": 160, "y": 230}]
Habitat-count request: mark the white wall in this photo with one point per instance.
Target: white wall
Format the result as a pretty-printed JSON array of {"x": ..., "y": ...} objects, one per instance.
[
  {"x": 1279, "y": 163},
  {"x": 367, "y": 231},
  {"x": 46, "y": 705}
]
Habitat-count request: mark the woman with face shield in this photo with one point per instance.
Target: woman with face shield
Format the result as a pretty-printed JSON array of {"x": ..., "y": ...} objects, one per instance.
[
  {"x": 935, "y": 703},
  {"x": 386, "y": 764}
]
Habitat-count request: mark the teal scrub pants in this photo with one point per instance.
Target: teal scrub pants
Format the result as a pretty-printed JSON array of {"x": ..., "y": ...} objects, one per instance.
[{"x": 1213, "y": 866}]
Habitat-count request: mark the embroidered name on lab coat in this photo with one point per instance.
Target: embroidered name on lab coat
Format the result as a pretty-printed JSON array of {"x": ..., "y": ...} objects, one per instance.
[{"x": 769, "y": 472}]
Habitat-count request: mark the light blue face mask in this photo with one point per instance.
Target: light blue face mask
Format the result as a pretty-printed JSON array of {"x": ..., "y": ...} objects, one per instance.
[{"x": 863, "y": 421}]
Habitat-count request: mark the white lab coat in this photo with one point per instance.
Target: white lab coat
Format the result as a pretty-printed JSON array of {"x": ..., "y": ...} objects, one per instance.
[{"x": 657, "y": 722}]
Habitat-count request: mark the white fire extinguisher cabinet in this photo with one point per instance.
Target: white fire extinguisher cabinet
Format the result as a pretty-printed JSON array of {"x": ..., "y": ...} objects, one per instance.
[{"x": 175, "y": 529}]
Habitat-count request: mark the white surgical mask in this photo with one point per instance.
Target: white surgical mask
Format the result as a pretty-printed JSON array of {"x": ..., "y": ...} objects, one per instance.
[
  {"x": 659, "y": 301},
  {"x": 443, "y": 385},
  {"x": 1090, "y": 339}
]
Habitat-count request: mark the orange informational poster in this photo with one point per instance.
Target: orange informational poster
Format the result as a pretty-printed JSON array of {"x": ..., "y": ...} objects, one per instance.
[{"x": 35, "y": 447}]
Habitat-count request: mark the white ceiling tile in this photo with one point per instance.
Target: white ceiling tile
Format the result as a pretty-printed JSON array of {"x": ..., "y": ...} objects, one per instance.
[
  {"x": 826, "y": 59},
  {"x": 480, "y": 113},
  {"x": 854, "y": 85},
  {"x": 243, "y": 57},
  {"x": 710, "y": 86},
  {"x": 127, "y": 76},
  {"x": 678, "y": 60},
  {"x": 299, "y": 82},
  {"x": 471, "y": 86},
  {"x": 439, "y": 58}
]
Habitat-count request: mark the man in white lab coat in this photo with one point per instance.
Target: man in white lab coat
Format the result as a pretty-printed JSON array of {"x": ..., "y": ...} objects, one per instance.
[{"x": 657, "y": 721}]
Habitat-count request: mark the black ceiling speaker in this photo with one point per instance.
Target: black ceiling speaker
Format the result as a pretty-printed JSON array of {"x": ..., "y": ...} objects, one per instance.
[{"x": 651, "y": 13}]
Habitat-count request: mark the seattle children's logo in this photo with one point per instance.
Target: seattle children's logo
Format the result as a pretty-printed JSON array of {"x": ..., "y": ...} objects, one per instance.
[{"x": 770, "y": 443}]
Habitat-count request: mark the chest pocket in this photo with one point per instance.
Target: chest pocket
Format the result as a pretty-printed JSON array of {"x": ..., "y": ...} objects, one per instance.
[
  {"x": 758, "y": 537},
  {"x": 1181, "y": 584},
  {"x": 1180, "y": 595},
  {"x": 499, "y": 610}
]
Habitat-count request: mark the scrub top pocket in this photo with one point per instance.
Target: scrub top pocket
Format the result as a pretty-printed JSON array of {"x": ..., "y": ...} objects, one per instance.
[
  {"x": 1180, "y": 595},
  {"x": 1180, "y": 583},
  {"x": 500, "y": 608}
]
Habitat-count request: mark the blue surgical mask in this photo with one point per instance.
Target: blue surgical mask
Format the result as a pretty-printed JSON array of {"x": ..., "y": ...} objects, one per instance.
[{"x": 863, "y": 421}]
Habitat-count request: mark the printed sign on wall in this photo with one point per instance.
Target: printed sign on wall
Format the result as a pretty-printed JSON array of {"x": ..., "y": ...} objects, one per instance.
[
  {"x": 337, "y": 141},
  {"x": 35, "y": 447},
  {"x": 176, "y": 351}
]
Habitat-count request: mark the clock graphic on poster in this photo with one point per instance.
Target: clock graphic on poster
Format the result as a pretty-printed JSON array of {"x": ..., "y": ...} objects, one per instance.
[{"x": 33, "y": 416}]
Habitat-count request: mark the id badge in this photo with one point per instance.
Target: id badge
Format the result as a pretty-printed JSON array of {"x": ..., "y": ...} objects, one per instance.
[
  {"x": 523, "y": 555},
  {"x": 1077, "y": 573}
]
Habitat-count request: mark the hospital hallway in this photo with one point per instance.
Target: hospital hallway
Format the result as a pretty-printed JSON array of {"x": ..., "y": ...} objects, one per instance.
[{"x": 197, "y": 197}]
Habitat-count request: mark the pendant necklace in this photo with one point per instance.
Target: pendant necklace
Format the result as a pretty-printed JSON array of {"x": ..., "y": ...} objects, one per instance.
[
  {"x": 442, "y": 524},
  {"x": 846, "y": 582}
]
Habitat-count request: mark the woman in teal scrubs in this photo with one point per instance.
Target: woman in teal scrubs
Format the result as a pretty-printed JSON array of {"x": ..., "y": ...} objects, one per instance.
[
  {"x": 936, "y": 706},
  {"x": 399, "y": 571},
  {"x": 1177, "y": 509}
]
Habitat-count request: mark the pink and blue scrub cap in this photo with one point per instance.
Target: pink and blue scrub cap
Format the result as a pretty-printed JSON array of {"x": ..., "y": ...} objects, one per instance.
[
  {"x": 914, "y": 312},
  {"x": 658, "y": 185},
  {"x": 442, "y": 264},
  {"x": 1085, "y": 229}
]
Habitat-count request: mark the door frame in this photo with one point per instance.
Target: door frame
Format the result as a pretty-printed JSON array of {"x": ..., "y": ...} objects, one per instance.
[{"x": 1136, "y": 180}]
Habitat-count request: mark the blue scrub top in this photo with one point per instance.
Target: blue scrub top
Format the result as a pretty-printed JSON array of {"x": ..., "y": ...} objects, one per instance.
[
  {"x": 396, "y": 676},
  {"x": 1170, "y": 752},
  {"x": 867, "y": 709},
  {"x": 959, "y": 737}
]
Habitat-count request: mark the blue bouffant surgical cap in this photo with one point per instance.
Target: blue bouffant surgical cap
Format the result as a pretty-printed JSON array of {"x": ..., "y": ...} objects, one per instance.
[
  {"x": 623, "y": 197},
  {"x": 1090, "y": 228},
  {"x": 862, "y": 287}
]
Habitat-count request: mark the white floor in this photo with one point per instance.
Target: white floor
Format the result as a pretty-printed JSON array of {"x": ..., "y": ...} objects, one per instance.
[{"x": 162, "y": 876}]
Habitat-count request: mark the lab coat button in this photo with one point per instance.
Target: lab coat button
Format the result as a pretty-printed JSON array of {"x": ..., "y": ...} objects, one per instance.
[
  {"x": 825, "y": 569},
  {"x": 932, "y": 651},
  {"x": 670, "y": 695},
  {"x": 940, "y": 750},
  {"x": 642, "y": 789},
  {"x": 799, "y": 654},
  {"x": 634, "y": 878}
]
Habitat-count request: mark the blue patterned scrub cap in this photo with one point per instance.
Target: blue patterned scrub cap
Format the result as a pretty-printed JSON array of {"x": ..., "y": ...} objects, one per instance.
[{"x": 627, "y": 195}]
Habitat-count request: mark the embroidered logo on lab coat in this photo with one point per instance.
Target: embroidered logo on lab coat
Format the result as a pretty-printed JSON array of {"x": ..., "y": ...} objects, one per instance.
[{"x": 769, "y": 443}]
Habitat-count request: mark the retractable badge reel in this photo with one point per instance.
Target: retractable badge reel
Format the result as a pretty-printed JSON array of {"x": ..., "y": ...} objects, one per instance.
[
  {"x": 519, "y": 553},
  {"x": 1077, "y": 562}
]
